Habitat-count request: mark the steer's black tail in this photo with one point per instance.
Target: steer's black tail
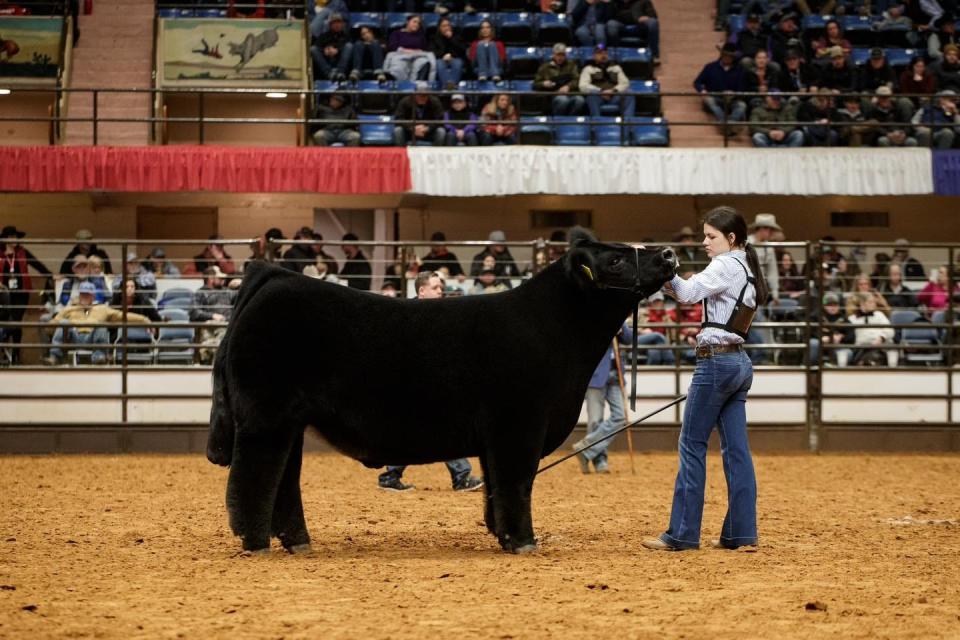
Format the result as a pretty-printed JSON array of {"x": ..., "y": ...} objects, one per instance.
[{"x": 222, "y": 424}]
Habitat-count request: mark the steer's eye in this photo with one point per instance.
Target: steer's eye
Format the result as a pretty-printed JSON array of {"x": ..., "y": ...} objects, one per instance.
[{"x": 616, "y": 262}]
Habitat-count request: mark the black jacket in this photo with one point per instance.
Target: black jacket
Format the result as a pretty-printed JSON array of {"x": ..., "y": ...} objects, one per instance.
[
  {"x": 67, "y": 267},
  {"x": 298, "y": 256},
  {"x": 632, "y": 12},
  {"x": 452, "y": 45},
  {"x": 868, "y": 79},
  {"x": 840, "y": 79},
  {"x": 408, "y": 109},
  {"x": 345, "y": 112},
  {"x": 141, "y": 304},
  {"x": 749, "y": 42},
  {"x": 432, "y": 262},
  {"x": 357, "y": 270}
]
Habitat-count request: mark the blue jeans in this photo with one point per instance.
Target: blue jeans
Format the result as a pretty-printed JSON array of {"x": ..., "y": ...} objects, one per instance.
[
  {"x": 324, "y": 66},
  {"x": 738, "y": 108},
  {"x": 99, "y": 335},
  {"x": 568, "y": 105},
  {"x": 590, "y": 36},
  {"x": 627, "y": 104},
  {"x": 376, "y": 57},
  {"x": 449, "y": 72},
  {"x": 487, "y": 63},
  {"x": 656, "y": 356},
  {"x": 652, "y": 29},
  {"x": 792, "y": 139},
  {"x": 717, "y": 397},
  {"x": 459, "y": 469},
  {"x": 597, "y": 427}
]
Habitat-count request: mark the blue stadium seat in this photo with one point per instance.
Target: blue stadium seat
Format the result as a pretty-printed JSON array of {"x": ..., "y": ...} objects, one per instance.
[
  {"x": 372, "y": 20},
  {"x": 636, "y": 63},
  {"x": 648, "y": 102},
  {"x": 895, "y": 35},
  {"x": 859, "y": 30},
  {"x": 900, "y": 58},
  {"x": 186, "y": 13},
  {"x": 632, "y": 36},
  {"x": 376, "y": 131},
  {"x": 176, "y": 297},
  {"x": 581, "y": 54},
  {"x": 172, "y": 336},
  {"x": 571, "y": 130},
  {"x": 166, "y": 13},
  {"x": 607, "y": 131},
  {"x": 921, "y": 336},
  {"x": 523, "y": 62},
  {"x": 470, "y": 25},
  {"x": 536, "y": 130},
  {"x": 174, "y": 314},
  {"x": 369, "y": 101},
  {"x": 325, "y": 86},
  {"x": 143, "y": 353},
  {"x": 736, "y": 23},
  {"x": 814, "y": 25},
  {"x": 648, "y": 132},
  {"x": 859, "y": 55},
  {"x": 394, "y": 21},
  {"x": 553, "y": 28},
  {"x": 515, "y": 28},
  {"x": 212, "y": 13}
]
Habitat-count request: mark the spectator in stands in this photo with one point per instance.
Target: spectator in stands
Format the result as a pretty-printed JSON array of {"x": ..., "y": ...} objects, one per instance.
[
  {"x": 213, "y": 302},
  {"x": 5, "y": 316},
  {"x": 854, "y": 131},
  {"x": 322, "y": 11},
  {"x": 832, "y": 335},
  {"x": 497, "y": 112},
  {"x": 451, "y": 54},
  {"x": 722, "y": 76},
  {"x": 832, "y": 37},
  {"x": 943, "y": 34},
  {"x": 893, "y": 290},
  {"x": 947, "y": 70},
  {"x": 506, "y": 266},
  {"x": 838, "y": 75},
  {"x": 810, "y": 7},
  {"x": 934, "y": 295},
  {"x": 80, "y": 274},
  {"x": 760, "y": 78},
  {"x": 16, "y": 280},
  {"x": 332, "y": 52},
  {"x": 689, "y": 250},
  {"x": 556, "y": 251},
  {"x": 751, "y": 40},
  {"x": 389, "y": 289},
  {"x": 135, "y": 301},
  {"x": 146, "y": 281},
  {"x": 882, "y": 111},
  {"x": 419, "y": 106},
  {"x": 408, "y": 57},
  {"x": 367, "y": 60},
  {"x": 690, "y": 315},
  {"x": 602, "y": 82},
  {"x": 460, "y": 123},
  {"x": 769, "y": 123},
  {"x": 912, "y": 268},
  {"x": 299, "y": 256},
  {"x": 336, "y": 108},
  {"x": 655, "y": 312},
  {"x": 85, "y": 311},
  {"x": 937, "y": 122},
  {"x": 560, "y": 75},
  {"x": 917, "y": 78},
  {"x": 643, "y": 14},
  {"x": 897, "y": 17},
  {"x": 99, "y": 280},
  {"x": 876, "y": 73},
  {"x": 592, "y": 19},
  {"x": 405, "y": 266},
  {"x": 817, "y": 112},
  {"x": 792, "y": 282},
  {"x": 761, "y": 230},
  {"x": 214, "y": 254},
  {"x": 487, "y": 280},
  {"x": 487, "y": 54},
  {"x": 356, "y": 270},
  {"x": 863, "y": 287},
  {"x": 262, "y": 249},
  {"x": 325, "y": 262},
  {"x": 157, "y": 264},
  {"x": 796, "y": 76},
  {"x": 85, "y": 248},
  {"x": 442, "y": 258},
  {"x": 871, "y": 329},
  {"x": 785, "y": 38}
]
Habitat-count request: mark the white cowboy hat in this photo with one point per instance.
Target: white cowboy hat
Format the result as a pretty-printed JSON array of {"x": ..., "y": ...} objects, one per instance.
[{"x": 767, "y": 220}]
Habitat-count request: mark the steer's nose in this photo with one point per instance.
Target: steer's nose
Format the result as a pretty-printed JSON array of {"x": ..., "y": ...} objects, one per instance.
[{"x": 669, "y": 256}]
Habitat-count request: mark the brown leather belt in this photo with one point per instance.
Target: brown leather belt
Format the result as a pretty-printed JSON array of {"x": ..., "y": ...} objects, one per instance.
[{"x": 710, "y": 350}]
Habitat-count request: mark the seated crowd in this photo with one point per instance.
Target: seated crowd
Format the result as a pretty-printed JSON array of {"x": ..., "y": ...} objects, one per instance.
[
  {"x": 845, "y": 99},
  {"x": 857, "y": 303}
]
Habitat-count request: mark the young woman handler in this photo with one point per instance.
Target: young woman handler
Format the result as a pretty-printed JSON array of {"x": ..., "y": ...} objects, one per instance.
[{"x": 731, "y": 288}]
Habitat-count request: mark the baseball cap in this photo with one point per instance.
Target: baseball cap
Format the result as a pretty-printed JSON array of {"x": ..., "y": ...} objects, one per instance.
[
  {"x": 84, "y": 234},
  {"x": 600, "y": 47},
  {"x": 728, "y": 48},
  {"x": 131, "y": 256},
  {"x": 87, "y": 287},
  {"x": 831, "y": 298},
  {"x": 335, "y": 17},
  {"x": 884, "y": 90},
  {"x": 458, "y": 96},
  {"x": 876, "y": 53},
  {"x": 158, "y": 252},
  {"x": 498, "y": 236},
  {"x": 422, "y": 86}
]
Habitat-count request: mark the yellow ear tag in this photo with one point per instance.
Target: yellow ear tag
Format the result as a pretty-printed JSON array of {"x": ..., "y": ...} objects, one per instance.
[{"x": 587, "y": 271}]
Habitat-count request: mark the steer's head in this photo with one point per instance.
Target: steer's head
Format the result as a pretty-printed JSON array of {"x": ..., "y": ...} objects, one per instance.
[{"x": 617, "y": 266}]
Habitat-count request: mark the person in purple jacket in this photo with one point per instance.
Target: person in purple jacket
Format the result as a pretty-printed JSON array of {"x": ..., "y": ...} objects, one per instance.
[
  {"x": 460, "y": 123},
  {"x": 408, "y": 57}
]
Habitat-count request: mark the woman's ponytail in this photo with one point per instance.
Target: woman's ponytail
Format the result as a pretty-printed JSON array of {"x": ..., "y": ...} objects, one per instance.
[{"x": 753, "y": 261}]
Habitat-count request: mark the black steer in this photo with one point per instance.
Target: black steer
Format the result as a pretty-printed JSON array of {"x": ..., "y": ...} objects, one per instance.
[{"x": 506, "y": 374}]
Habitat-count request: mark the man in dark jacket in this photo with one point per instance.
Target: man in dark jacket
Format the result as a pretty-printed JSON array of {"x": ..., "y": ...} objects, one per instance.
[
  {"x": 837, "y": 75},
  {"x": 721, "y": 76},
  {"x": 643, "y": 14},
  {"x": 356, "y": 270},
  {"x": 85, "y": 248},
  {"x": 506, "y": 267},
  {"x": 883, "y": 111},
  {"x": 832, "y": 313},
  {"x": 299, "y": 256},
  {"x": 785, "y": 38},
  {"x": 419, "y": 106},
  {"x": 332, "y": 51},
  {"x": 751, "y": 39},
  {"x": 876, "y": 73},
  {"x": 816, "y": 111},
  {"x": 439, "y": 257},
  {"x": 337, "y": 108},
  {"x": 560, "y": 76},
  {"x": 796, "y": 76},
  {"x": 212, "y": 303}
]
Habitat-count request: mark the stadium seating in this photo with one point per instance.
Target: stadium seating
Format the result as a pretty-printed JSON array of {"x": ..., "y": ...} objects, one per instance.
[
  {"x": 552, "y": 28},
  {"x": 172, "y": 335},
  {"x": 648, "y": 132},
  {"x": 140, "y": 354},
  {"x": 607, "y": 131},
  {"x": 515, "y": 28},
  {"x": 523, "y": 62},
  {"x": 376, "y": 130},
  {"x": 571, "y": 130},
  {"x": 536, "y": 130}
]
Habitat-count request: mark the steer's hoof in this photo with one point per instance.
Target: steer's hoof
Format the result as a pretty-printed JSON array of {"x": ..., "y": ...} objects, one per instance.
[
  {"x": 527, "y": 548},
  {"x": 251, "y": 553},
  {"x": 299, "y": 549}
]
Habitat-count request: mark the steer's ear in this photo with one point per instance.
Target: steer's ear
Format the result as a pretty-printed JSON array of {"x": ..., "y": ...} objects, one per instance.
[{"x": 580, "y": 261}]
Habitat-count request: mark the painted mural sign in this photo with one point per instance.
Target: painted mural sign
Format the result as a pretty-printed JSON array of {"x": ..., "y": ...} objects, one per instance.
[
  {"x": 221, "y": 52},
  {"x": 30, "y": 48}
]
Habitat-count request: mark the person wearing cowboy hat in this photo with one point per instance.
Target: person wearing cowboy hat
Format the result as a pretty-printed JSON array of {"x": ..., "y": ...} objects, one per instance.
[
  {"x": 762, "y": 228},
  {"x": 689, "y": 250},
  {"x": 16, "y": 278},
  {"x": 86, "y": 248}
]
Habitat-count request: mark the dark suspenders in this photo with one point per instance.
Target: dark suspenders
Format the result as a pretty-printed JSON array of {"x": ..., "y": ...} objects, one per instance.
[{"x": 742, "y": 316}]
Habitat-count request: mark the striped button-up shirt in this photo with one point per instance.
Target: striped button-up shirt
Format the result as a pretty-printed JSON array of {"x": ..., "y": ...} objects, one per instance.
[{"x": 719, "y": 284}]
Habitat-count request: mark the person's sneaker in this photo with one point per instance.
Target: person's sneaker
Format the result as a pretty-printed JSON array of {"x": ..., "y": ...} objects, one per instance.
[
  {"x": 395, "y": 484},
  {"x": 51, "y": 361},
  {"x": 481, "y": 78},
  {"x": 355, "y": 76},
  {"x": 381, "y": 77},
  {"x": 581, "y": 457},
  {"x": 602, "y": 466},
  {"x": 468, "y": 484},
  {"x": 497, "y": 79}
]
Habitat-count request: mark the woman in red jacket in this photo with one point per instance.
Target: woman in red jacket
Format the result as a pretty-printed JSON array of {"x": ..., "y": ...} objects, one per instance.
[
  {"x": 487, "y": 54},
  {"x": 500, "y": 108}
]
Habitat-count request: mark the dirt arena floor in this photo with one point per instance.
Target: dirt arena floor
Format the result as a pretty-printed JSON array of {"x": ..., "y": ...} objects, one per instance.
[{"x": 138, "y": 547}]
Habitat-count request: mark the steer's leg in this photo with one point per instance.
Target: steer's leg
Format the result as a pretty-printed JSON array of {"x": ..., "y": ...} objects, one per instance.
[
  {"x": 512, "y": 470},
  {"x": 288, "y": 521},
  {"x": 489, "y": 518},
  {"x": 258, "y": 464}
]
